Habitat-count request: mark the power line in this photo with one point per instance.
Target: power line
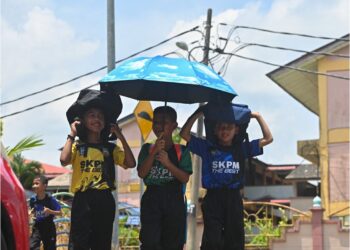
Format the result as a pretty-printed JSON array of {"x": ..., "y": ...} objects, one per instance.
[
  {"x": 45, "y": 103},
  {"x": 285, "y": 33},
  {"x": 72, "y": 93},
  {"x": 99, "y": 69},
  {"x": 285, "y": 66},
  {"x": 53, "y": 86},
  {"x": 295, "y": 50}
]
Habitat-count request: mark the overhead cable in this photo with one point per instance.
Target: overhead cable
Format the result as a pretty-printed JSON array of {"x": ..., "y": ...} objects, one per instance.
[
  {"x": 295, "y": 50},
  {"x": 45, "y": 103},
  {"x": 285, "y": 33},
  {"x": 286, "y": 66},
  {"x": 99, "y": 69}
]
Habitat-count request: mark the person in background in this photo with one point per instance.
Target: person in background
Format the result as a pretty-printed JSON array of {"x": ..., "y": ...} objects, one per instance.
[{"x": 43, "y": 207}]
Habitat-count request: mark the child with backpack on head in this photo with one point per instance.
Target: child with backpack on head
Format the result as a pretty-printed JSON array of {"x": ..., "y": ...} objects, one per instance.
[
  {"x": 223, "y": 156},
  {"x": 92, "y": 118},
  {"x": 44, "y": 207},
  {"x": 165, "y": 168}
]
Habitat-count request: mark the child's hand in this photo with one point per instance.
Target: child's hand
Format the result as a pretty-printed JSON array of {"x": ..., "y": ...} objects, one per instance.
[
  {"x": 159, "y": 145},
  {"x": 116, "y": 130},
  {"x": 200, "y": 110},
  {"x": 73, "y": 128},
  {"x": 254, "y": 115},
  {"x": 163, "y": 158},
  {"x": 46, "y": 211}
]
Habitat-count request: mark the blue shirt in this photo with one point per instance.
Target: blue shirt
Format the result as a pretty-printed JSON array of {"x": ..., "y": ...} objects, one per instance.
[
  {"x": 220, "y": 169},
  {"x": 38, "y": 205}
]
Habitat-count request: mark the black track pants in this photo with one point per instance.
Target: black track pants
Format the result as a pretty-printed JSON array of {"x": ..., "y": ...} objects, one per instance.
[
  {"x": 163, "y": 218},
  {"x": 223, "y": 220},
  {"x": 44, "y": 231},
  {"x": 92, "y": 219}
]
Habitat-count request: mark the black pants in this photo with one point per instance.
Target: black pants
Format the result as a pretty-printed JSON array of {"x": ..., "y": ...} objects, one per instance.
[
  {"x": 44, "y": 231},
  {"x": 223, "y": 220},
  {"x": 163, "y": 218},
  {"x": 92, "y": 217}
]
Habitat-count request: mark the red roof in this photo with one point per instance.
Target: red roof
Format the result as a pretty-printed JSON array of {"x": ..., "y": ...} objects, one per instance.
[{"x": 52, "y": 171}]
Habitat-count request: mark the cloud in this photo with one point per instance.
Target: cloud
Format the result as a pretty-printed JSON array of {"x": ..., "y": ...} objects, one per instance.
[
  {"x": 41, "y": 48},
  {"x": 40, "y": 51},
  {"x": 288, "y": 119}
]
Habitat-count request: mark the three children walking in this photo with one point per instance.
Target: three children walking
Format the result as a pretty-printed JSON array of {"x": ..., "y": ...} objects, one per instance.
[{"x": 165, "y": 168}]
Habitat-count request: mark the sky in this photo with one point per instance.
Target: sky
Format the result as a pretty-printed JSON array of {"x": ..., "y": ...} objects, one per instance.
[{"x": 45, "y": 42}]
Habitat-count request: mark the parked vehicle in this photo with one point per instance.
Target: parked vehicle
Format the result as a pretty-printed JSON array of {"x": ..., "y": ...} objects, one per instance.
[
  {"x": 127, "y": 212},
  {"x": 130, "y": 213},
  {"x": 14, "y": 210}
]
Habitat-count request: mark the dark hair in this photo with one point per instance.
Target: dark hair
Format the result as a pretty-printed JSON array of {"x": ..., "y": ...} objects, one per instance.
[
  {"x": 42, "y": 179},
  {"x": 166, "y": 110}
]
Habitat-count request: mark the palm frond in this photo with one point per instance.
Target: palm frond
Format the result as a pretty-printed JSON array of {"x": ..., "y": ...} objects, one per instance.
[{"x": 25, "y": 144}]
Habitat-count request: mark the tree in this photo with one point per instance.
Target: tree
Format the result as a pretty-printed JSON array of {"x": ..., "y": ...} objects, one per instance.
[
  {"x": 24, "y": 144},
  {"x": 25, "y": 171}
]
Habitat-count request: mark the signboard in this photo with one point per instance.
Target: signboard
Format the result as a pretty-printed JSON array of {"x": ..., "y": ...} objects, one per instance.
[{"x": 144, "y": 116}]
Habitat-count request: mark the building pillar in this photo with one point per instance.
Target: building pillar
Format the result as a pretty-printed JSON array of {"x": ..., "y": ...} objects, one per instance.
[{"x": 317, "y": 227}]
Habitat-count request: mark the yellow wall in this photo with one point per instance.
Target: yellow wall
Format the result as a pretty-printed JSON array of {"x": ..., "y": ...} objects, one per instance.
[{"x": 329, "y": 136}]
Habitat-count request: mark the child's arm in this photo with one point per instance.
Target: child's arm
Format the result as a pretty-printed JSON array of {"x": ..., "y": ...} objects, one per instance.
[
  {"x": 179, "y": 174},
  {"x": 31, "y": 212},
  {"x": 48, "y": 211},
  {"x": 185, "y": 132},
  {"x": 147, "y": 164},
  {"x": 66, "y": 153},
  {"x": 267, "y": 136},
  {"x": 129, "y": 160}
]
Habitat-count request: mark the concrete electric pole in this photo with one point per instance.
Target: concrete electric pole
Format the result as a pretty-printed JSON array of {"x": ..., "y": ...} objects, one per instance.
[
  {"x": 192, "y": 220},
  {"x": 111, "y": 66}
]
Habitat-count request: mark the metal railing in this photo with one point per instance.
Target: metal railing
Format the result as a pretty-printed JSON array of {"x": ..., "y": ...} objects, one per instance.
[{"x": 263, "y": 222}]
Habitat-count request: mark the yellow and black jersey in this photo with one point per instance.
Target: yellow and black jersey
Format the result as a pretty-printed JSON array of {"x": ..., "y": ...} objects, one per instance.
[{"x": 88, "y": 168}]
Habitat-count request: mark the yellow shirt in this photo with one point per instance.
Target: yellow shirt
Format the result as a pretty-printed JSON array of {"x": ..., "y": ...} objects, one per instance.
[{"x": 87, "y": 170}]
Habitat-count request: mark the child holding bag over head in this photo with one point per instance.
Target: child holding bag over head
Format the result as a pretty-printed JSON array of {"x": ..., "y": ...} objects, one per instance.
[
  {"x": 223, "y": 156},
  {"x": 92, "y": 118}
]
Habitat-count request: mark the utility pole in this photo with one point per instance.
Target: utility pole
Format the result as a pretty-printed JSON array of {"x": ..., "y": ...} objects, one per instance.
[
  {"x": 111, "y": 66},
  {"x": 142, "y": 185},
  {"x": 192, "y": 220}
]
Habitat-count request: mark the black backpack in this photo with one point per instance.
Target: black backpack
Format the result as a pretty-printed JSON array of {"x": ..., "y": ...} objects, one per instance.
[{"x": 235, "y": 113}]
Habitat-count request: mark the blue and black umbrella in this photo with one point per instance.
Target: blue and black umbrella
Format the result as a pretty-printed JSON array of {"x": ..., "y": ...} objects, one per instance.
[{"x": 168, "y": 79}]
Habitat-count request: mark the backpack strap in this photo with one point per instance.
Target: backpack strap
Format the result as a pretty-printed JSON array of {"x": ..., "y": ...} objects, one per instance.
[
  {"x": 108, "y": 168},
  {"x": 178, "y": 149}
]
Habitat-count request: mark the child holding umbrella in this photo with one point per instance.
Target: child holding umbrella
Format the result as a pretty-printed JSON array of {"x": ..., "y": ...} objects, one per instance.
[{"x": 165, "y": 168}]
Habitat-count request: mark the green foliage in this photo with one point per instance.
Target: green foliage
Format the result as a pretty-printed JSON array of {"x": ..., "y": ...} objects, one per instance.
[
  {"x": 176, "y": 136},
  {"x": 1, "y": 128},
  {"x": 25, "y": 172},
  {"x": 263, "y": 228},
  {"x": 128, "y": 236},
  {"x": 24, "y": 144}
]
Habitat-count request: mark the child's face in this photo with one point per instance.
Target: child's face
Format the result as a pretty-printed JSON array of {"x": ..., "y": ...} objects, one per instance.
[
  {"x": 38, "y": 187},
  {"x": 225, "y": 132},
  {"x": 94, "y": 120},
  {"x": 163, "y": 124}
]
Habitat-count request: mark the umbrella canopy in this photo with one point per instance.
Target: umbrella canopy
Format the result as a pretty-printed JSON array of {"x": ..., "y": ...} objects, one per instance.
[{"x": 168, "y": 79}]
